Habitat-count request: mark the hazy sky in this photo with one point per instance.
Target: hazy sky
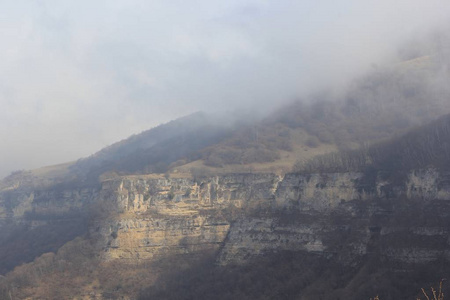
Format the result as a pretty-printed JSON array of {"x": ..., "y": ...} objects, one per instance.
[{"x": 76, "y": 76}]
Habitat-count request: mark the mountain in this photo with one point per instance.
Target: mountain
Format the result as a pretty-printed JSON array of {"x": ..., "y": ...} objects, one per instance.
[
  {"x": 379, "y": 105},
  {"x": 337, "y": 196},
  {"x": 248, "y": 235}
]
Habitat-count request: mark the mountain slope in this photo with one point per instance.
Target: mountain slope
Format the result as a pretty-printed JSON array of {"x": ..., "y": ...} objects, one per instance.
[
  {"x": 152, "y": 151},
  {"x": 205, "y": 236},
  {"x": 384, "y": 103},
  {"x": 427, "y": 146},
  {"x": 374, "y": 210}
]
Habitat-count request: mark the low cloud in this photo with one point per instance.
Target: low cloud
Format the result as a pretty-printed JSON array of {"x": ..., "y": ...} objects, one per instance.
[{"x": 77, "y": 76}]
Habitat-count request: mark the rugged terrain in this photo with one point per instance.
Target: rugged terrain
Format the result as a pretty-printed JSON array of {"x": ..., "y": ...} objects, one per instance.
[
  {"x": 342, "y": 217},
  {"x": 161, "y": 216},
  {"x": 213, "y": 207}
]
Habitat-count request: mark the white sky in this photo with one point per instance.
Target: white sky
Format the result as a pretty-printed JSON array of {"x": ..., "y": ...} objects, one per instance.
[{"x": 76, "y": 76}]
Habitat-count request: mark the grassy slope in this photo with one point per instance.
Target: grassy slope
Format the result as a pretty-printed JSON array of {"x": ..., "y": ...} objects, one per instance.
[{"x": 300, "y": 152}]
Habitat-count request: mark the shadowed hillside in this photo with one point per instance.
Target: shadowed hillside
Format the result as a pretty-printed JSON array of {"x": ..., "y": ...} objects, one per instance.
[
  {"x": 422, "y": 147},
  {"x": 152, "y": 151}
]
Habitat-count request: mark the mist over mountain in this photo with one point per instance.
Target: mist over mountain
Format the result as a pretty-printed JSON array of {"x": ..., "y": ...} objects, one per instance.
[
  {"x": 380, "y": 104},
  {"x": 99, "y": 73},
  {"x": 307, "y": 156}
]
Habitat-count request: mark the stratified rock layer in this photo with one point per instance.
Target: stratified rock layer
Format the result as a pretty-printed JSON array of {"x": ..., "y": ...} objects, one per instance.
[{"x": 245, "y": 215}]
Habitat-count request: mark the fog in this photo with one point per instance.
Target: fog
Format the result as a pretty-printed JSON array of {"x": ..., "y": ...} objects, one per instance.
[{"x": 79, "y": 75}]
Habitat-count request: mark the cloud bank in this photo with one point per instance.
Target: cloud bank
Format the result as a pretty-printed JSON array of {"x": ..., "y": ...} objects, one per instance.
[{"x": 76, "y": 76}]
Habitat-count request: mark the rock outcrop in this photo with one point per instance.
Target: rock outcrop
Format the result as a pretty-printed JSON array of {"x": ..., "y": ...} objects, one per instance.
[
  {"x": 244, "y": 215},
  {"x": 183, "y": 215}
]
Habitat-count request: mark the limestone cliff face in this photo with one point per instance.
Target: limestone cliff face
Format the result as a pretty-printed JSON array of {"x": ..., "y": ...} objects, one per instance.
[
  {"x": 161, "y": 216},
  {"x": 351, "y": 215},
  {"x": 428, "y": 184},
  {"x": 320, "y": 192},
  {"x": 16, "y": 204},
  {"x": 244, "y": 215}
]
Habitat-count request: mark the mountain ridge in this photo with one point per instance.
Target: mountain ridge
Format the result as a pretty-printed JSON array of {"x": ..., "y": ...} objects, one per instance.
[{"x": 202, "y": 187}]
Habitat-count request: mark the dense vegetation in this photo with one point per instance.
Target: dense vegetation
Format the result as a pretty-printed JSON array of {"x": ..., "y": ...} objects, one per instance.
[
  {"x": 21, "y": 243},
  {"x": 295, "y": 275},
  {"x": 426, "y": 146},
  {"x": 257, "y": 143}
]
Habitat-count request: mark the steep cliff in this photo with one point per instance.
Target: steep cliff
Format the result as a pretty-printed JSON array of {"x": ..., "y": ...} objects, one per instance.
[
  {"x": 342, "y": 220},
  {"x": 244, "y": 215},
  {"x": 179, "y": 215}
]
